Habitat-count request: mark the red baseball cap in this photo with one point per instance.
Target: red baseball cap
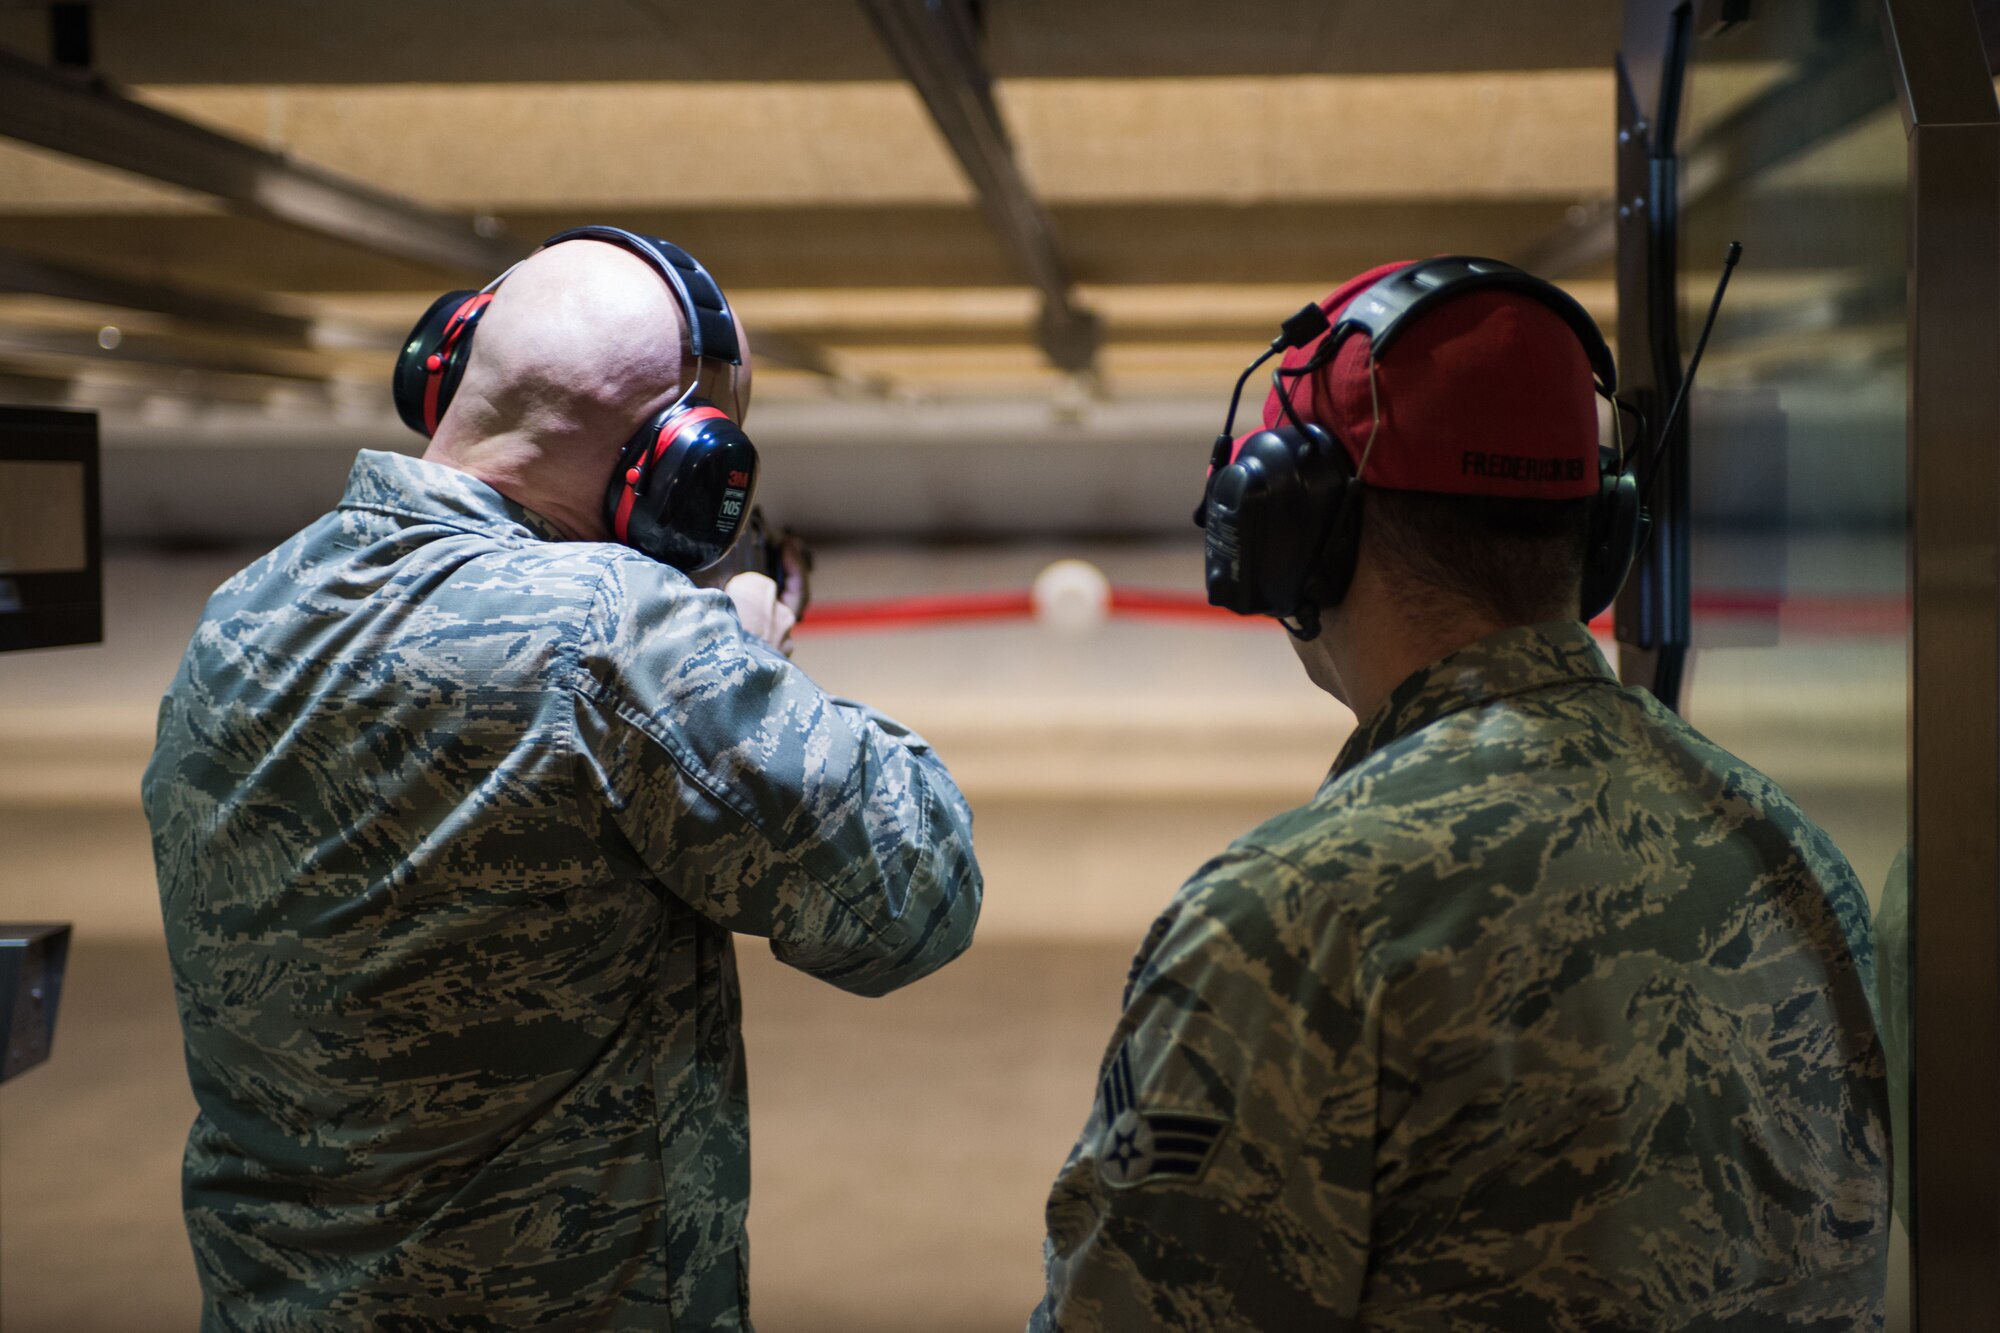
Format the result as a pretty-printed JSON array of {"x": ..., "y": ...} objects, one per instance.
[{"x": 1488, "y": 393}]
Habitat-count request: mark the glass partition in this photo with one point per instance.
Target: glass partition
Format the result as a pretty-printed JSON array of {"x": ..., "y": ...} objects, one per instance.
[
  {"x": 1798, "y": 512},
  {"x": 1798, "y": 504}
]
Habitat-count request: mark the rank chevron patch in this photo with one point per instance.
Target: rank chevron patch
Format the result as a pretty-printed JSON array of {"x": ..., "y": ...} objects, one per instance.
[{"x": 1138, "y": 1145}]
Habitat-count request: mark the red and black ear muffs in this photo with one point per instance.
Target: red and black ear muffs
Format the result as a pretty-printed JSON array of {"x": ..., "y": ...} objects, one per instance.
[
  {"x": 433, "y": 359},
  {"x": 685, "y": 479},
  {"x": 1282, "y": 510},
  {"x": 683, "y": 486}
]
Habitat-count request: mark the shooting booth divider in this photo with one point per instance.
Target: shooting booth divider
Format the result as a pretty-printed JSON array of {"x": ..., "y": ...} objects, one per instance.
[{"x": 1925, "y": 318}]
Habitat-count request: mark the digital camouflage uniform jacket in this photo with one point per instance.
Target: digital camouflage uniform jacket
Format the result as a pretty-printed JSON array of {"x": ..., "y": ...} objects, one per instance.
[
  {"x": 453, "y": 823},
  {"x": 1544, "y": 1014}
]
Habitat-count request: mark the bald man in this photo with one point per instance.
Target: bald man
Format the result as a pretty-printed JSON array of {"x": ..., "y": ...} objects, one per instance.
[{"x": 456, "y": 806}]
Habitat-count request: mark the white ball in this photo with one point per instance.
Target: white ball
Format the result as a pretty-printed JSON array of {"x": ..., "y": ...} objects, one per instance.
[{"x": 1071, "y": 596}]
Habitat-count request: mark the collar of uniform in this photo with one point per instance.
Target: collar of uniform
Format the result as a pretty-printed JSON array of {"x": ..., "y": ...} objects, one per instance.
[
  {"x": 411, "y": 488},
  {"x": 1514, "y": 661}
]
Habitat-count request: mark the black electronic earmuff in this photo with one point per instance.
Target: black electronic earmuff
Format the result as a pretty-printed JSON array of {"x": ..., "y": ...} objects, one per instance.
[
  {"x": 687, "y": 477},
  {"x": 1282, "y": 513}
]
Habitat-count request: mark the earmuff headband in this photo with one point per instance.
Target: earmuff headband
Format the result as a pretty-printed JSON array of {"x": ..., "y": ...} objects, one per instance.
[
  {"x": 711, "y": 325},
  {"x": 1387, "y": 307}
]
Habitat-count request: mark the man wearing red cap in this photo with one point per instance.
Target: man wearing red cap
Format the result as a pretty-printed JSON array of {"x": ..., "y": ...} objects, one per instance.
[{"x": 1544, "y": 1012}]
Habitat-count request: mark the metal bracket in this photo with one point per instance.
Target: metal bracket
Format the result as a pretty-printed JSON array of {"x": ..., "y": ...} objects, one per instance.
[{"x": 935, "y": 43}]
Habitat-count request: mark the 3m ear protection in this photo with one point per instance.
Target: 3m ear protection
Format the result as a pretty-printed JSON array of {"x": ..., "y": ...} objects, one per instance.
[
  {"x": 686, "y": 478},
  {"x": 1282, "y": 512}
]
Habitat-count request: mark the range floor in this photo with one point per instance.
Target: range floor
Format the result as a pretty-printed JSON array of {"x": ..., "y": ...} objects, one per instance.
[{"x": 902, "y": 1147}]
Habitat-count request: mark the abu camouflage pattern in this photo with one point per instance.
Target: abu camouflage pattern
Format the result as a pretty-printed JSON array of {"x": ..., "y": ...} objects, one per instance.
[
  {"x": 1544, "y": 1014},
  {"x": 454, "y": 821}
]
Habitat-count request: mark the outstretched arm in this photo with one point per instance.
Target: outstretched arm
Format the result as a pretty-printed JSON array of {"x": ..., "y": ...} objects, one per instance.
[{"x": 766, "y": 805}]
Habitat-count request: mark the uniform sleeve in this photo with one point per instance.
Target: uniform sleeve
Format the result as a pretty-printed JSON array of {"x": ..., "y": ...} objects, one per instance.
[
  {"x": 1223, "y": 1180},
  {"x": 766, "y": 805}
]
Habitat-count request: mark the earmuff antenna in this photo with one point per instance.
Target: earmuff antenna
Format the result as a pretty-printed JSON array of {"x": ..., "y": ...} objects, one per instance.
[
  {"x": 1729, "y": 258},
  {"x": 1235, "y": 397},
  {"x": 1304, "y": 326}
]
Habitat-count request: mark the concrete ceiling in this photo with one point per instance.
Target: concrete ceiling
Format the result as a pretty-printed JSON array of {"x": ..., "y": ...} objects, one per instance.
[
  {"x": 1255, "y": 154},
  {"x": 393, "y": 41},
  {"x": 1206, "y": 168}
]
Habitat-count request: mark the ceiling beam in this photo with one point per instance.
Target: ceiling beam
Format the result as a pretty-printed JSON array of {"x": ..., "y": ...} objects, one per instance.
[
  {"x": 30, "y": 275},
  {"x": 936, "y": 46},
  {"x": 74, "y": 113},
  {"x": 512, "y": 148},
  {"x": 45, "y": 388},
  {"x": 1587, "y": 240},
  {"x": 793, "y": 353},
  {"x": 76, "y": 346},
  {"x": 246, "y": 315},
  {"x": 796, "y": 353},
  {"x": 1812, "y": 107}
]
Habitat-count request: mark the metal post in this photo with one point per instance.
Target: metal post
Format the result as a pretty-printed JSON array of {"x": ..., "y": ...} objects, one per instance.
[
  {"x": 933, "y": 41},
  {"x": 1954, "y": 460},
  {"x": 1652, "y": 611}
]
